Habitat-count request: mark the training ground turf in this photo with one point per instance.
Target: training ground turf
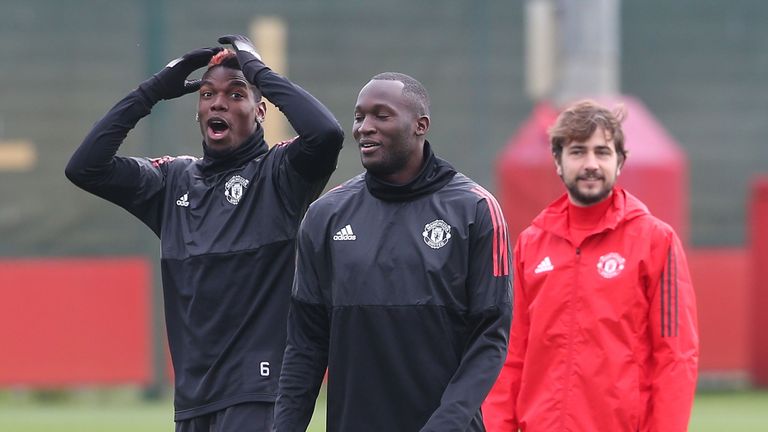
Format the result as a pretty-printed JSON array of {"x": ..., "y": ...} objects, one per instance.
[{"x": 713, "y": 412}]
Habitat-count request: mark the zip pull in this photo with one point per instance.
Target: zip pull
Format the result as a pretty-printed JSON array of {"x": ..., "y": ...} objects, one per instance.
[{"x": 578, "y": 251}]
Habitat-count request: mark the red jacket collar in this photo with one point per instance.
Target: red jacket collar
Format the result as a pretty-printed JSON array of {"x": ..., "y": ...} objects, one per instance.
[{"x": 554, "y": 218}]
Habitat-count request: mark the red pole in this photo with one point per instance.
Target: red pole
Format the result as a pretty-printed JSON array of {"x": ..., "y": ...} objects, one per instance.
[{"x": 759, "y": 258}]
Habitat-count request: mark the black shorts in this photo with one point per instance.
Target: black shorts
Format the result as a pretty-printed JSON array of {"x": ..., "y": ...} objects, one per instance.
[{"x": 245, "y": 417}]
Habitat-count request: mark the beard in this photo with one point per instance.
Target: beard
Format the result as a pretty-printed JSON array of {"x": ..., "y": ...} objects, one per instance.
[
  {"x": 591, "y": 197},
  {"x": 387, "y": 165}
]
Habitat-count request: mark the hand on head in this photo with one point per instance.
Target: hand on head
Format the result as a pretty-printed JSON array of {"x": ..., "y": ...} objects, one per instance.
[
  {"x": 172, "y": 81},
  {"x": 250, "y": 60}
]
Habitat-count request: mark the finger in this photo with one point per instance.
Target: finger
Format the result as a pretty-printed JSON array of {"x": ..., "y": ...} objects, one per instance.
[
  {"x": 200, "y": 57},
  {"x": 214, "y": 50},
  {"x": 191, "y": 86},
  {"x": 204, "y": 53},
  {"x": 227, "y": 39}
]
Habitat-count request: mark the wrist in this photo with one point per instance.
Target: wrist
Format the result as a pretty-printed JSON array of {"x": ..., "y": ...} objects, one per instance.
[
  {"x": 251, "y": 66},
  {"x": 149, "y": 91}
]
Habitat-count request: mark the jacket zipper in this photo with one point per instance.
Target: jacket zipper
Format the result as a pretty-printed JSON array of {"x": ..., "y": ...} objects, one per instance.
[{"x": 571, "y": 336}]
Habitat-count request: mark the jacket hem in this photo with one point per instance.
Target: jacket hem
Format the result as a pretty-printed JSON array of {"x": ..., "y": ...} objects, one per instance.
[{"x": 189, "y": 413}]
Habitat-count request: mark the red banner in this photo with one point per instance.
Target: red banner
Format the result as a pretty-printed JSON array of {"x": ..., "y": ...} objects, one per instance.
[{"x": 74, "y": 321}]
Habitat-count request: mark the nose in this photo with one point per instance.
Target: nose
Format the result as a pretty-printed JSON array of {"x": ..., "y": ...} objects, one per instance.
[
  {"x": 219, "y": 103},
  {"x": 365, "y": 127},
  {"x": 590, "y": 161}
]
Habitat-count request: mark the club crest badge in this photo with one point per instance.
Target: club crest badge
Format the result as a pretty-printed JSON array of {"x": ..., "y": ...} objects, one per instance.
[
  {"x": 436, "y": 234},
  {"x": 609, "y": 266},
  {"x": 235, "y": 188}
]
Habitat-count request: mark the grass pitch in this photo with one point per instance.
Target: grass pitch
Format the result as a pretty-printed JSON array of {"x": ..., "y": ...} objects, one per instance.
[{"x": 103, "y": 411}]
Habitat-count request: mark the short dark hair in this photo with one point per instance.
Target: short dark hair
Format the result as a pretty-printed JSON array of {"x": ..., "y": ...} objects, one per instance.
[
  {"x": 228, "y": 59},
  {"x": 579, "y": 121},
  {"x": 412, "y": 89}
]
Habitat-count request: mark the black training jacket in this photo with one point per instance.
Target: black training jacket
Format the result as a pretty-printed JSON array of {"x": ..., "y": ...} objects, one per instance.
[
  {"x": 404, "y": 292},
  {"x": 227, "y": 228}
]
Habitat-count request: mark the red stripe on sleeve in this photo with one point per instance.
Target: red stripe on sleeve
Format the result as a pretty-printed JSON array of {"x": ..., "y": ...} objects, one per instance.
[
  {"x": 500, "y": 236},
  {"x": 504, "y": 242}
]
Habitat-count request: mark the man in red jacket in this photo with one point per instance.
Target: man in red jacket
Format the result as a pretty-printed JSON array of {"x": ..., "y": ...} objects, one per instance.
[{"x": 604, "y": 336}]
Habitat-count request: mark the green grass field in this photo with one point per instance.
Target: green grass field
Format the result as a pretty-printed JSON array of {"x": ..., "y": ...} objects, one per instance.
[{"x": 713, "y": 412}]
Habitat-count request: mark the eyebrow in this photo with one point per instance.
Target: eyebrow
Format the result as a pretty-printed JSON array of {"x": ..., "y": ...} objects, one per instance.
[
  {"x": 238, "y": 82},
  {"x": 235, "y": 82},
  {"x": 377, "y": 106},
  {"x": 599, "y": 147}
]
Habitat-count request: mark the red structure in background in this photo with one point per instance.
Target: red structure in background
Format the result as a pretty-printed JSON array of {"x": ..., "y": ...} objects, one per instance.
[
  {"x": 759, "y": 294},
  {"x": 66, "y": 322},
  {"x": 722, "y": 280},
  {"x": 656, "y": 170}
]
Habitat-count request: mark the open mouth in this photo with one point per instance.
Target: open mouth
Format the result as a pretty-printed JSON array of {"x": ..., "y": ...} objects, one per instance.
[
  {"x": 217, "y": 127},
  {"x": 367, "y": 145}
]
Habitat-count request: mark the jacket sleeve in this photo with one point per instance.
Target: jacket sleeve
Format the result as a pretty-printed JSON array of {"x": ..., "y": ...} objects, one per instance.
[
  {"x": 500, "y": 407},
  {"x": 674, "y": 337},
  {"x": 306, "y": 352},
  {"x": 129, "y": 182},
  {"x": 315, "y": 152},
  {"x": 489, "y": 291}
]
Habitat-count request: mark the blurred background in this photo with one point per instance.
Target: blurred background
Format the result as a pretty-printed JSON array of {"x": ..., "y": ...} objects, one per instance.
[{"x": 80, "y": 305}]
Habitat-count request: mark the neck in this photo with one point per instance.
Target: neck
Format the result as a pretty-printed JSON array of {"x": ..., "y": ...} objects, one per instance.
[
  {"x": 215, "y": 161},
  {"x": 588, "y": 216}
]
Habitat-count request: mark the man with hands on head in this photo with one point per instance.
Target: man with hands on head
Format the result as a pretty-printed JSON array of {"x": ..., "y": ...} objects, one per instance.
[{"x": 227, "y": 224}]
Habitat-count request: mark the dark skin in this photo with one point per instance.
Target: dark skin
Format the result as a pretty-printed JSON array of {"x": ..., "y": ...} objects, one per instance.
[
  {"x": 389, "y": 132},
  {"x": 229, "y": 111}
]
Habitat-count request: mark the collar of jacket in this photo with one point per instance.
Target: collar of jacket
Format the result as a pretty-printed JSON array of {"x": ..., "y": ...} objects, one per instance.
[
  {"x": 625, "y": 206},
  {"x": 253, "y": 147},
  {"x": 435, "y": 174}
]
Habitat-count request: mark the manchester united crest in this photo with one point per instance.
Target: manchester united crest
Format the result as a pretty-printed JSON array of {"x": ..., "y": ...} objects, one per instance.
[
  {"x": 610, "y": 265},
  {"x": 436, "y": 234},
  {"x": 235, "y": 188}
]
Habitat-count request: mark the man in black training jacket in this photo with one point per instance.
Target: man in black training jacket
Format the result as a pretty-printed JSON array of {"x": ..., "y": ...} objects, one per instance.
[
  {"x": 402, "y": 284},
  {"x": 227, "y": 223}
]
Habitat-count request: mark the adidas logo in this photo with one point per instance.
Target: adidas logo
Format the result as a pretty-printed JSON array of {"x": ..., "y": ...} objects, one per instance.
[
  {"x": 345, "y": 234},
  {"x": 544, "y": 266},
  {"x": 183, "y": 201}
]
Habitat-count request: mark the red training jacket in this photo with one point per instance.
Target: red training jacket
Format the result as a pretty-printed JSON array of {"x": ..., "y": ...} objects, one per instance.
[{"x": 604, "y": 334}]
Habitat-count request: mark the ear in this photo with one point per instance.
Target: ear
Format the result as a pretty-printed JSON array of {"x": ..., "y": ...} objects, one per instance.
[
  {"x": 621, "y": 165},
  {"x": 422, "y": 125},
  {"x": 558, "y": 167},
  {"x": 261, "y": 111}
]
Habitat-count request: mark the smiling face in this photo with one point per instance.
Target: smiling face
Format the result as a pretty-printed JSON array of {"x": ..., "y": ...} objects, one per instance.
[
  {"x": 389, "y": 132},
  {"x": 589, "y": 168},
  {"x": 227, "y": 109}
]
